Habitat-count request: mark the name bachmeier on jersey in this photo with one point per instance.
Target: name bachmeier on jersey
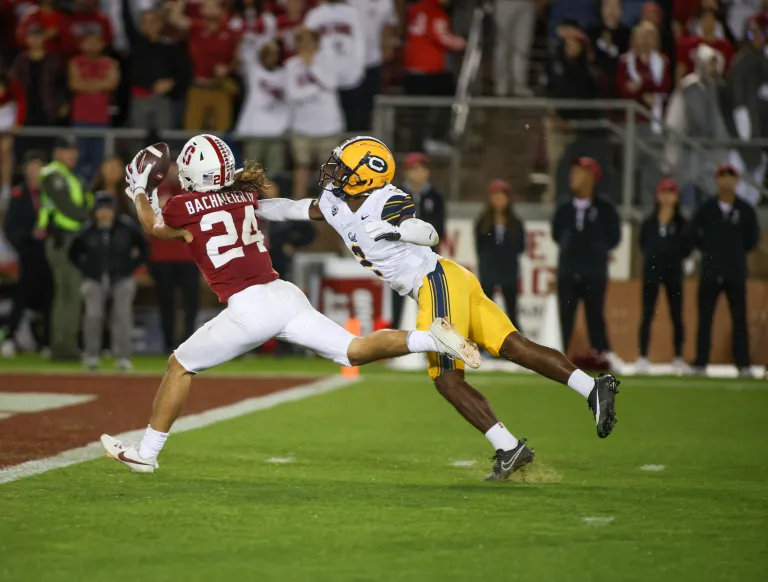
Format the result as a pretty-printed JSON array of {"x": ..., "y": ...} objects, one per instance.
[{"x": 215, "y": 200}]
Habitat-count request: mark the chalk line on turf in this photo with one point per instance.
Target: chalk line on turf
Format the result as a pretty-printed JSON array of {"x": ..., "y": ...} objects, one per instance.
[{"x": 94, "y": 450}]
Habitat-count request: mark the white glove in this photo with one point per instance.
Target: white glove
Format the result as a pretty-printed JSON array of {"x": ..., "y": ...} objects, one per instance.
[
  {"x": 382, "y": 230},
  {"x": 140, "y": 179}
]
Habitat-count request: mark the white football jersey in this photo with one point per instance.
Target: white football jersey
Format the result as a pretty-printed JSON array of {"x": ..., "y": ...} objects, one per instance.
[
  {"x": 342, "y": 37},
  {"x": 401, "y": 265}
]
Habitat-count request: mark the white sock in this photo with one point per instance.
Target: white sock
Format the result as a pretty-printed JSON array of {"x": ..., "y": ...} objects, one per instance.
[
  {"x": 421, "y": 341},
  {"x": 501, "y": 438},
  {"x": 581, "y": 382},
  {"x": 152, "y": 443}
]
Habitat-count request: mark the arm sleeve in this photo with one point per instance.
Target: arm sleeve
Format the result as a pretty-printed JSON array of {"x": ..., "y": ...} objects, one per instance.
[
  {"x": 140, "y": 244},
  {"x": 644, "y": 233},
  {"x": 753, "y": 231},
  {"x": 398, "y": 206},
  {"x": 57, "y": 189},
  {"x": 613, "y": 233},
  {"x": 558, "y": 225},
  {"x": 284, "y": 209},
  {"x": 418, "y": 232},
  {"x": 622, "y": 78},
  {"x": 172, "y": 215},
  {"x": 76, "y": 250},
  {"x": 325, "y": 72}
]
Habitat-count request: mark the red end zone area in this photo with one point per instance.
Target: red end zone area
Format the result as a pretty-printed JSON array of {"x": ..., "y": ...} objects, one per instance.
[{"x": 43, "y": 415}]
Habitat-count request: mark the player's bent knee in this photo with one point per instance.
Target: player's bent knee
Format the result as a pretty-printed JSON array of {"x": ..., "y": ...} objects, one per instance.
[
  {"x": 448, "y": 382},
  {"x": 356, "y": 355},
  {"x": 175, "y": 368}
]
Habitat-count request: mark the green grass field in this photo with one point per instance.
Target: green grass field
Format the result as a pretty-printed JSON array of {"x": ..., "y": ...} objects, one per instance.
[{"x": 371, "y": 493}]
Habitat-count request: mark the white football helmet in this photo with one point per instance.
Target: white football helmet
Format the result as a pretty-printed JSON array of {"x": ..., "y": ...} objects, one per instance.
[{"x": 206, "y": 164}]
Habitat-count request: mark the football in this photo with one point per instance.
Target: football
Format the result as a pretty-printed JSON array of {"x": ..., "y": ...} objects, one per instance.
[{"x": 159, "y": 157}]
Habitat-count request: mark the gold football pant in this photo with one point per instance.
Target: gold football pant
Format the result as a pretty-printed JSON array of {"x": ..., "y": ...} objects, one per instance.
[{"x": 454, "y": 292}]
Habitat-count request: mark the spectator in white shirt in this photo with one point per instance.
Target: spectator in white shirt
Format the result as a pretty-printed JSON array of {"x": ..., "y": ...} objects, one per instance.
[
  {"x": 265, "y": 114},
  {"x": 342, "y": 36},
  {"x": 379, "y": 18},
  {"x": 316, "y": 116}
]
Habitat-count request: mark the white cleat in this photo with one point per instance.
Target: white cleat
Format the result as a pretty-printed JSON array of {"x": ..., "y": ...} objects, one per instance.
[
  {"x": 680, "y": 367},
  {"x": 128, "y": 454},
  {"x": 453, "y": 344}
]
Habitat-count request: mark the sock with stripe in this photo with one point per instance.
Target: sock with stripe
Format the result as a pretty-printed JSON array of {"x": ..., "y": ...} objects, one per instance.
[
  {"x": 501, "y": 438},
  {"x": 581, "y": 382},
  {"x": 421, "y": 341},
  {"x": 152, "y": 443}
]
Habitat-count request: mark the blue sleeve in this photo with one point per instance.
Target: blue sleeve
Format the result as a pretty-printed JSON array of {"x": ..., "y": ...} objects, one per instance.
[{"x": 398, "y": 207}]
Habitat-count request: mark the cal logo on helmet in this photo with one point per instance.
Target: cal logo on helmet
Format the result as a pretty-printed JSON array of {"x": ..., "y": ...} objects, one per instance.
[{"x": 358, "y": 167}]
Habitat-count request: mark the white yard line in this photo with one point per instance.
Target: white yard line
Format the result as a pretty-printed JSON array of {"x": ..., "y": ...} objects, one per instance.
[
  {"x": 652, "y": 468},
  {"x": 191, "y": 422}
]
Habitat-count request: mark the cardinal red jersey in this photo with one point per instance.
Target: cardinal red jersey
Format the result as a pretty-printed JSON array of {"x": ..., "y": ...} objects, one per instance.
[
  {"x": 429, "y": 39},
  {"x": 228, "y": 246}
]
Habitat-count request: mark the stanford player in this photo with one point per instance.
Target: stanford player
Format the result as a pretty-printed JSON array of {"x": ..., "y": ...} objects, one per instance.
[{"x": 216, "y": 216}]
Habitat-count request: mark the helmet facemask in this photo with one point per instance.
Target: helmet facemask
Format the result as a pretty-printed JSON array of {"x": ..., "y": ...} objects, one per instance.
[{"x": 335, "y": 175}]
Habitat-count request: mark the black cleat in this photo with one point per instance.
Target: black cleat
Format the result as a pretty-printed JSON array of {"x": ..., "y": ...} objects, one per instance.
[
  {"x": 602, "y": 403},
  {"x": 507, "y": 462}
]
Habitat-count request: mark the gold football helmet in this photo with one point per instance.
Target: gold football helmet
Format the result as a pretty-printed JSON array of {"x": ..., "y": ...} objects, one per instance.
[{"x": 357, "y": 167}]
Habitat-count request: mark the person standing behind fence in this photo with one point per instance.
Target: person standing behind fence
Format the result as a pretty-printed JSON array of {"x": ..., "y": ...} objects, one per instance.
[
  {"x": 586, "y": 229},
  {"x": 665, "y": 243},
  {"x": 725, "y": 230},
  {"x": 107, "y": 251},
  {"x": 158, "y": 67},
  {"x": 428, "y": 44},
  {"x": 499, "y": 242},
  {"x": 93, "y": 79},
  {"x": 173, "y": 270},
  {"x": 342, "y": 36},
  {"x": 64, "y": 208},
  {"x": 514, "y": 34},
  {"x": 265, "y": 115},
  {"x": 34, "y": 288}
]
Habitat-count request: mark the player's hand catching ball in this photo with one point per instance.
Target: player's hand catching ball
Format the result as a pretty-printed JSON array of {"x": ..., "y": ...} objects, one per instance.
[{"x": 382, "y": 230}]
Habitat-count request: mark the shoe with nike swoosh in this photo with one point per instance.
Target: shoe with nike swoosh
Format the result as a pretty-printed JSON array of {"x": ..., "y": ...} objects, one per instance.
[
  {"x": 602, "y": 403},
  {"x": 128, "y": 454},
  {"x": 507, "y": 462},
  {"x": 453, "y": 344}
]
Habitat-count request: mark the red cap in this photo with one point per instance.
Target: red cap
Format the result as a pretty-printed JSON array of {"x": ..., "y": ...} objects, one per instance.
[
  {"x": 589, "y": 164},
  {"x": 500, "y": 186},
  {"x": 667, "y": 185},
  {"x": 726, "y": 169},
  {"x": 415, "y": 159}
]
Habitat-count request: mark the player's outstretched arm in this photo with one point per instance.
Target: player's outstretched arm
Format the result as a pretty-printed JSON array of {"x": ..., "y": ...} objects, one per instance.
[
  {"x": 285, "y": 209},
  {"x": 410, "y": 230}
]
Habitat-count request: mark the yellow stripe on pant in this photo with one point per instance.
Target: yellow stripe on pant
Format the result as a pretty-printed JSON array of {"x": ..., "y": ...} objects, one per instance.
[{"x": 454, "y": 292}]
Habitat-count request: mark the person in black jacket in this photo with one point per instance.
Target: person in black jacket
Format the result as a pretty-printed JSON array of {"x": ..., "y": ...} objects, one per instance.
[
  {"x": 160, "y": 70},
  {"x": 430, "y": 207},
  {"x": 586, "y": 229},
  {"x": 107, "y": 251},
  {"x": 34, "y": 288},
  {"x": 665, "y": 243},
  {"x": 499, "y": 240},
  {"x": 724, "y": 229}
]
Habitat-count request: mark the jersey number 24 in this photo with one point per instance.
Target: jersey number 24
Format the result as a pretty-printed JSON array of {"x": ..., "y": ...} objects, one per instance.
[{"x": 250, "y": 235}]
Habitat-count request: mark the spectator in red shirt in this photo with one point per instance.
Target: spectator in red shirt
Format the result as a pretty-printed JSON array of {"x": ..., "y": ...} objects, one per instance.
[
  {"x": 687, "y": 46},
  {"x": 86, "y": 19},
  {"x": 51, "y": 20},
  {"x": 212, "y": 46},
  {"x": 174, "y": 271},
  {"x": 428, "y": 43},
  {"x": 12, "y": 111},
  {"x": 644, "y": 76},
  {"x": 93, "y": 79}
]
